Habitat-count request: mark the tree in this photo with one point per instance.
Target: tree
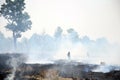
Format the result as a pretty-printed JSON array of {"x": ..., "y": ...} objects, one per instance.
[
  {"x": 17, "y": 18},
  {"x": 73, "y": 35},
  {"x": 58, "y": 32}
]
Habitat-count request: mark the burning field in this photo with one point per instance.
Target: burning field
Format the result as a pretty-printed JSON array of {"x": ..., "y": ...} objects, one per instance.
[
  {"x": 68, "y": 40},
  {"x": 13, "y": 67}
]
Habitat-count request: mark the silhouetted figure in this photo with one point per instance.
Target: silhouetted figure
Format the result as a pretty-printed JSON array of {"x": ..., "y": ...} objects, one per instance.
[{"x": 68, "y": 55}]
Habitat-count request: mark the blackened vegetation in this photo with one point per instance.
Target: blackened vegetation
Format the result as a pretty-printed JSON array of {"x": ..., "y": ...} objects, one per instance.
[{"x": 69, "y": 70}]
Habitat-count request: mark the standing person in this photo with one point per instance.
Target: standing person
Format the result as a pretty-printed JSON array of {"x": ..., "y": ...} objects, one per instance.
[{"x": 68, "y": 55}]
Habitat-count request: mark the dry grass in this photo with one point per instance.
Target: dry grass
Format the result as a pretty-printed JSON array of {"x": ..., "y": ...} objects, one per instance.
[{"x": 49, "y": 74}]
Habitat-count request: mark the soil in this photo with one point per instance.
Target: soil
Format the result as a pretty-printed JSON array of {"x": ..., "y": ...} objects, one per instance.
[{"x": 59, "y": 70}]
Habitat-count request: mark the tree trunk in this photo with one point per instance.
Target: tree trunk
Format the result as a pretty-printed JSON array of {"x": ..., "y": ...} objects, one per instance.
[{"x": 15, "y": 40}]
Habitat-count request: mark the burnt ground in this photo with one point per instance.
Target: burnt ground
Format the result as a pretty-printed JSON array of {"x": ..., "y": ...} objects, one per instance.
[{"x": 60, "y": 70}]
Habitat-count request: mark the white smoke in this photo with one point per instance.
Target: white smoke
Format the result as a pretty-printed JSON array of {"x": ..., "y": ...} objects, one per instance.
[
  {"x": 14, "y": 62},
  {"x": 43, "y": 47}
]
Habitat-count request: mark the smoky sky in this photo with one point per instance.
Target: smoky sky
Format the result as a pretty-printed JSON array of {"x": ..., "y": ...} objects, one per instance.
[
  {"x": 45, "y": 47},
  {"x": 90, "y": 25},
  {"x": 94, "y": 18}
]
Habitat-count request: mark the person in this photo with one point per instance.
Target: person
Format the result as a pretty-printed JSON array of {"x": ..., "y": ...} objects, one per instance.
[{"x": 68, "y": 55}]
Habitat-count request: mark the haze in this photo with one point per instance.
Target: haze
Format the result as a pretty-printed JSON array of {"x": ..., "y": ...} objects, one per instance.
[
  {"x": 95, "y": 18},
  {"x": 95, "y": 22}
]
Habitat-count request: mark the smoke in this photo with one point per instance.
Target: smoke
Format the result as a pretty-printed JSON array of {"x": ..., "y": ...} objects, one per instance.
[
  {"x": 105, "y": 68},
  {"x": 14, "y": 62},
  {"x": 43, "y": 47}
]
